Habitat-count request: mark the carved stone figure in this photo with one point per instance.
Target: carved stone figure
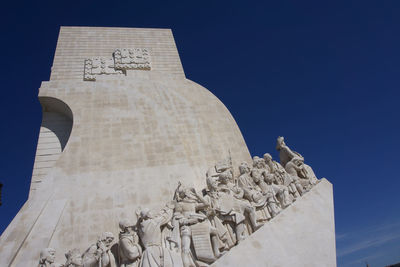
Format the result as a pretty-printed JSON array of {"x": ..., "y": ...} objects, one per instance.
[
  {"x": 273, "y": 203},
  {"x": 259, "y": 168},
  {"x": 99, "y": 254},
  {"x": 226, "y": 202},
  {"x": 149, "y": 229},
  {"x": 302, "y": 174},
  {"x": 195, "y": 227},
  {"x": 225, "y": 183},
  {"x": 225, "y": 235},
  {"x": 285, "y": 153},
  {"x": 292, "y": 168},
  {"x": 251, "y": 190},
  {"x": 280, "y": 181},
  {"x": 283, "y": 194},
  {"x": 276, "y": 170},
  {"x": 74, "y": 258},
  {"x": 223, "y": 167},
  {"x": 47, "y": 257},
  {"x": 129, "y": 248},
  {"x": 269, "y": 192},
  {"x": 280, "y": 176},
  {"x": 303, "y": 171},
  {"x": 306, "y": 172},
  {"x": 195, "y": 230}
]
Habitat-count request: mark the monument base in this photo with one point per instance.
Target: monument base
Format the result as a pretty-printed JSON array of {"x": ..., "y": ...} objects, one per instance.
[{"x": 302, "y": 235}]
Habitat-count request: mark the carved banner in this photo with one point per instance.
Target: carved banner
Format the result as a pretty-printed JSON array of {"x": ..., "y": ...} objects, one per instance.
[
  {"x": 202, "y": 242},
  {"x": 123, "y": 59}
]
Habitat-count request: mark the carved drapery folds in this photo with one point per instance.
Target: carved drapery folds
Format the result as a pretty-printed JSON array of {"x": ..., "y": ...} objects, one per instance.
[
  {"x": 123, "y": 59},
  {"x": 197, "y": 227}
]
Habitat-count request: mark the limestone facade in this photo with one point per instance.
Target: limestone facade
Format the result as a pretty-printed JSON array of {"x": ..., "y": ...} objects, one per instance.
[
  {"x": 122, "y": 126},
  {"x": 133, "y": 138}
]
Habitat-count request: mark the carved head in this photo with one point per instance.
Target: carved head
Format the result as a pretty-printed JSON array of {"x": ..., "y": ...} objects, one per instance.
[
  {"x": 212, "y": 183},
  {"x": 125, "y": 225},
  {"x": 244, "y": 168},
  {"x": 280, "y": 142},
  {"x": 145, "y": 214},
  {"x": 107, "y": 238},
  {"x": 256, "y": 178},
  {"x": 267, "y": 157},
  {"x": 48, "y": 255},
  {"x": 258, "y": 163},
  {"x": 74, "y": 258},
  {"x": 225, "y": 177},
  {"x": 269, "y": 179},
  {"x": 297, "y": 161}
]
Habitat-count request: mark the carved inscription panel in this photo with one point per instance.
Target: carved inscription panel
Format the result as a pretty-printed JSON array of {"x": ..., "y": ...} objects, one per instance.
[
  {"x": 131, "y": 59},
  {"x": 99, "y": 66},
  {"x": 123, "y": 59}
]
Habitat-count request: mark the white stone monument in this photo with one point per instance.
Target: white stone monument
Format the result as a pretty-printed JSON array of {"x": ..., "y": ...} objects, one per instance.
[{"x": 138, "y": 166}]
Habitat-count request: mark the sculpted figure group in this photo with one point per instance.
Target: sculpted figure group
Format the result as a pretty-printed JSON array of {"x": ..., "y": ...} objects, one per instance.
[{"x": 196, "y": 228}]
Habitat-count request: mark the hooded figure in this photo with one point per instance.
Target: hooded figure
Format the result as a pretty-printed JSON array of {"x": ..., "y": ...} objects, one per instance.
[{"x": 129, "y": 249}]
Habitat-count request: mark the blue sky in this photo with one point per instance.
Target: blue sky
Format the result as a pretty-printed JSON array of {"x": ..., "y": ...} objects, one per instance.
[{"x": 324, "y": 75}]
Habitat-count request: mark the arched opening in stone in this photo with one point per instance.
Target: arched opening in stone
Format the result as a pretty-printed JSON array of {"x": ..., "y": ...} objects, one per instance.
[
  {"x": 57, "y": 120},
  {"x": 56, "y": 117}
]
